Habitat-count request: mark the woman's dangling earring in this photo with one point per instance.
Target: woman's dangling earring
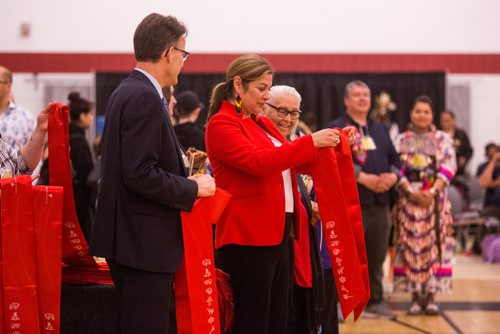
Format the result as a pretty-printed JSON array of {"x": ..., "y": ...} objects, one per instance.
[{"x": 237, "y": 103}]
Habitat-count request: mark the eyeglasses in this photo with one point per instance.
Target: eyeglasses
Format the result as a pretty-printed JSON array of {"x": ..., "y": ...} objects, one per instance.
[
  {"x": 185, "y": 54},
  {"x": 282, "y": 112}
]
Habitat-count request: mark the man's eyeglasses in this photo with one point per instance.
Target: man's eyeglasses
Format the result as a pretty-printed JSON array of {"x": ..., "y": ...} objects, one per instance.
[
  {"x": 185, "y": 54},
  {"x": 282, "y": 112}
]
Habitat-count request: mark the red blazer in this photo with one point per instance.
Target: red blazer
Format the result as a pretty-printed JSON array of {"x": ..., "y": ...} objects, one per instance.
[{"x": 246, "y": 163}]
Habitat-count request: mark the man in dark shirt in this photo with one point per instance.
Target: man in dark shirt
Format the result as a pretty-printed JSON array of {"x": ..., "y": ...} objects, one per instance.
[
  {"x": 188, "y": 109},
  {"x": 376, "y": 165},
  {"x": 489, "y": 178},
  {"x": 461, "y": 141}
]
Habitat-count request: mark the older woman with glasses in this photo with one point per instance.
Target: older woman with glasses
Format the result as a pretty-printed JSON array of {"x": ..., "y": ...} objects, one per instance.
[{"x": 252, "y": 161}]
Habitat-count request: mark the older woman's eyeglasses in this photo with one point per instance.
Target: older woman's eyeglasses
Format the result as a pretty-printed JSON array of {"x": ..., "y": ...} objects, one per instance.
[
  {"x": 185, "y": 54},
  {"x": 282, "y": 112}
]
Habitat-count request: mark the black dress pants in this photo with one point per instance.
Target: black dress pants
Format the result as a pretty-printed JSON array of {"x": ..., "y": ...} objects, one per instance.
[
  {"x": 329, "y": 315},
  {"x": 377, "y": 228},
  {"x": 261, "y": 278},
  {"x": 144, "y": 299}
]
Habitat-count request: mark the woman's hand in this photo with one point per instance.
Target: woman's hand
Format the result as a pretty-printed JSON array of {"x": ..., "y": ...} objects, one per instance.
[
  {"x": 422, "y": 198},
  {"x": 326, "y": 138}
]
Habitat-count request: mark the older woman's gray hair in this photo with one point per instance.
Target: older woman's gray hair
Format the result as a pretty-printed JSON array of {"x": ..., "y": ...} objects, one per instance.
[{"x": 280, "y": 90}]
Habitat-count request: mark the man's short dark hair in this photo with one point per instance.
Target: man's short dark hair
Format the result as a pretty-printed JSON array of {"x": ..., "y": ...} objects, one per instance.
[{"x": 155, "y": 34}]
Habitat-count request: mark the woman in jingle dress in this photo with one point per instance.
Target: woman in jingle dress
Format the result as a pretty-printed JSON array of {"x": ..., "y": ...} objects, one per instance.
[{"x": 425, "y": 246}]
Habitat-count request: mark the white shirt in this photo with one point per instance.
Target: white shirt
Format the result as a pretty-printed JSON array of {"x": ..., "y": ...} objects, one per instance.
[
  {"x": 152, "y": 79},
  {"x": 287, "y": 181}
]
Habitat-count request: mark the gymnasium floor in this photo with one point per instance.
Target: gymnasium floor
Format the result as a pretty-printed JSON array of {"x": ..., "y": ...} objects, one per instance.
[{"x": 473, "y": 306}]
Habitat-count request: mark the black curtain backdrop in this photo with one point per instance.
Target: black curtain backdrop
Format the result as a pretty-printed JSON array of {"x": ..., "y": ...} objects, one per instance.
[{"x": 322, "y": 93}]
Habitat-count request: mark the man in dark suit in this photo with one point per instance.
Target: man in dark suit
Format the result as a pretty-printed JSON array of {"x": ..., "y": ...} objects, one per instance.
[{"x": 144, "y": 183}]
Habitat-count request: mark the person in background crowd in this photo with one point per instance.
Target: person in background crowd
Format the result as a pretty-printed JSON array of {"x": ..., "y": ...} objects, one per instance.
[
  {"x": 256, "y": 165},
  {"x": 460, "y": 139},
  {"x": 82, "y": 117},
  {"x": 144, "y": 185},
  {"x": 16, "y": 123},
  {"x": 376, "y": 165},
  {"x": 188, "y": 110},
  {"x": 24, "y": 160},
  {"x": 460, "y": 185},
  {"x": 425, "y": 245},
  {"x": 489, "y": 178},
  {"x": 384, "y": 106},
  {"x": 168, "y": 93}
]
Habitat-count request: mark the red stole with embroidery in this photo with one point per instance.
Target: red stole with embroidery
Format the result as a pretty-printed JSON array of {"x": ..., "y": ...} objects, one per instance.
[
  {"x": 340, "y": 211},
  {"x": 74, "y": 245},
  {"x": 196, "y": 295}
]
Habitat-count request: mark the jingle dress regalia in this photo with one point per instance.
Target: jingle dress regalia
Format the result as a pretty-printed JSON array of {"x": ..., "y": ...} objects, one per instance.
[{"x": 425, "y": 245}]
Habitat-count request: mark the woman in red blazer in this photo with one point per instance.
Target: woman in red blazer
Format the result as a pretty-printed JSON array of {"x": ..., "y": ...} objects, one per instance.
[{"x": 252, "y": 161}]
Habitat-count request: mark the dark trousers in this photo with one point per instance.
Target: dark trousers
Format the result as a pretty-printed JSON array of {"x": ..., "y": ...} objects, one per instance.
[
  {"x": 329, "y": 315},
  {"x": 144, "y": 298},
  {"x": 261, "y": 278},
  {"x": 301, "y": 322},
  {"x": 377, "y": 228}
]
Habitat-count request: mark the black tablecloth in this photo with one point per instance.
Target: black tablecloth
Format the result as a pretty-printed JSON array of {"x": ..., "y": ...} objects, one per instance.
[
  {"x": 89, "y": 309},
  {"x": 94, "y": 309}
]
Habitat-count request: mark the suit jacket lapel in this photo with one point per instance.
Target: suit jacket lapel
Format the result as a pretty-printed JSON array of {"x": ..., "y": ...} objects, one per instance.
[{"x": 170, "y": 129}]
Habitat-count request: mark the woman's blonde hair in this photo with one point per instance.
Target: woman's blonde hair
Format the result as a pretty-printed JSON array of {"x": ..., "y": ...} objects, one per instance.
[{"x": 249, "y": 68}]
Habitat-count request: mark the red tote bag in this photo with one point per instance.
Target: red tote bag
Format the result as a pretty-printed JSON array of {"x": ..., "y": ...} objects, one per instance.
[
  {"x": 20, "y": 302},
  {"x": 47, "y": 214}
]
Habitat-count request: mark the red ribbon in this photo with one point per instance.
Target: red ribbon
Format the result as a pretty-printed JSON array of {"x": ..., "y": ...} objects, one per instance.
[
  {"x": 196, "y": 296},
  {"x": 302, "y": 252},
  {"x": 74, "y": 245},
  {"x": 340, "y": 211}
]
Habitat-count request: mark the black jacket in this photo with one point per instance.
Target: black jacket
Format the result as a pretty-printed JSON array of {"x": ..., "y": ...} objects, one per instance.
[{"x": 143, "y": 182}]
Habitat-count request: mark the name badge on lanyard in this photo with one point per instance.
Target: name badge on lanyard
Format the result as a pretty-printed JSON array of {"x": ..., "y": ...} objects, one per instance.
[{"x": 368, "y": 144}]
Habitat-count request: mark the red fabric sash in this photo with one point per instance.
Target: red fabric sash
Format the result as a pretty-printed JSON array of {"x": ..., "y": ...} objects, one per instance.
[
  {"x": 18, "y": 250},
  {"x": 302, "y": 252},
  {"x": 195, "y": 282},
  {"x": 74, "y": 245},
  {"x": 47, "y": 211},
  {"x": 340, "y": 211},
  {"x": 2, "y": 316}
]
